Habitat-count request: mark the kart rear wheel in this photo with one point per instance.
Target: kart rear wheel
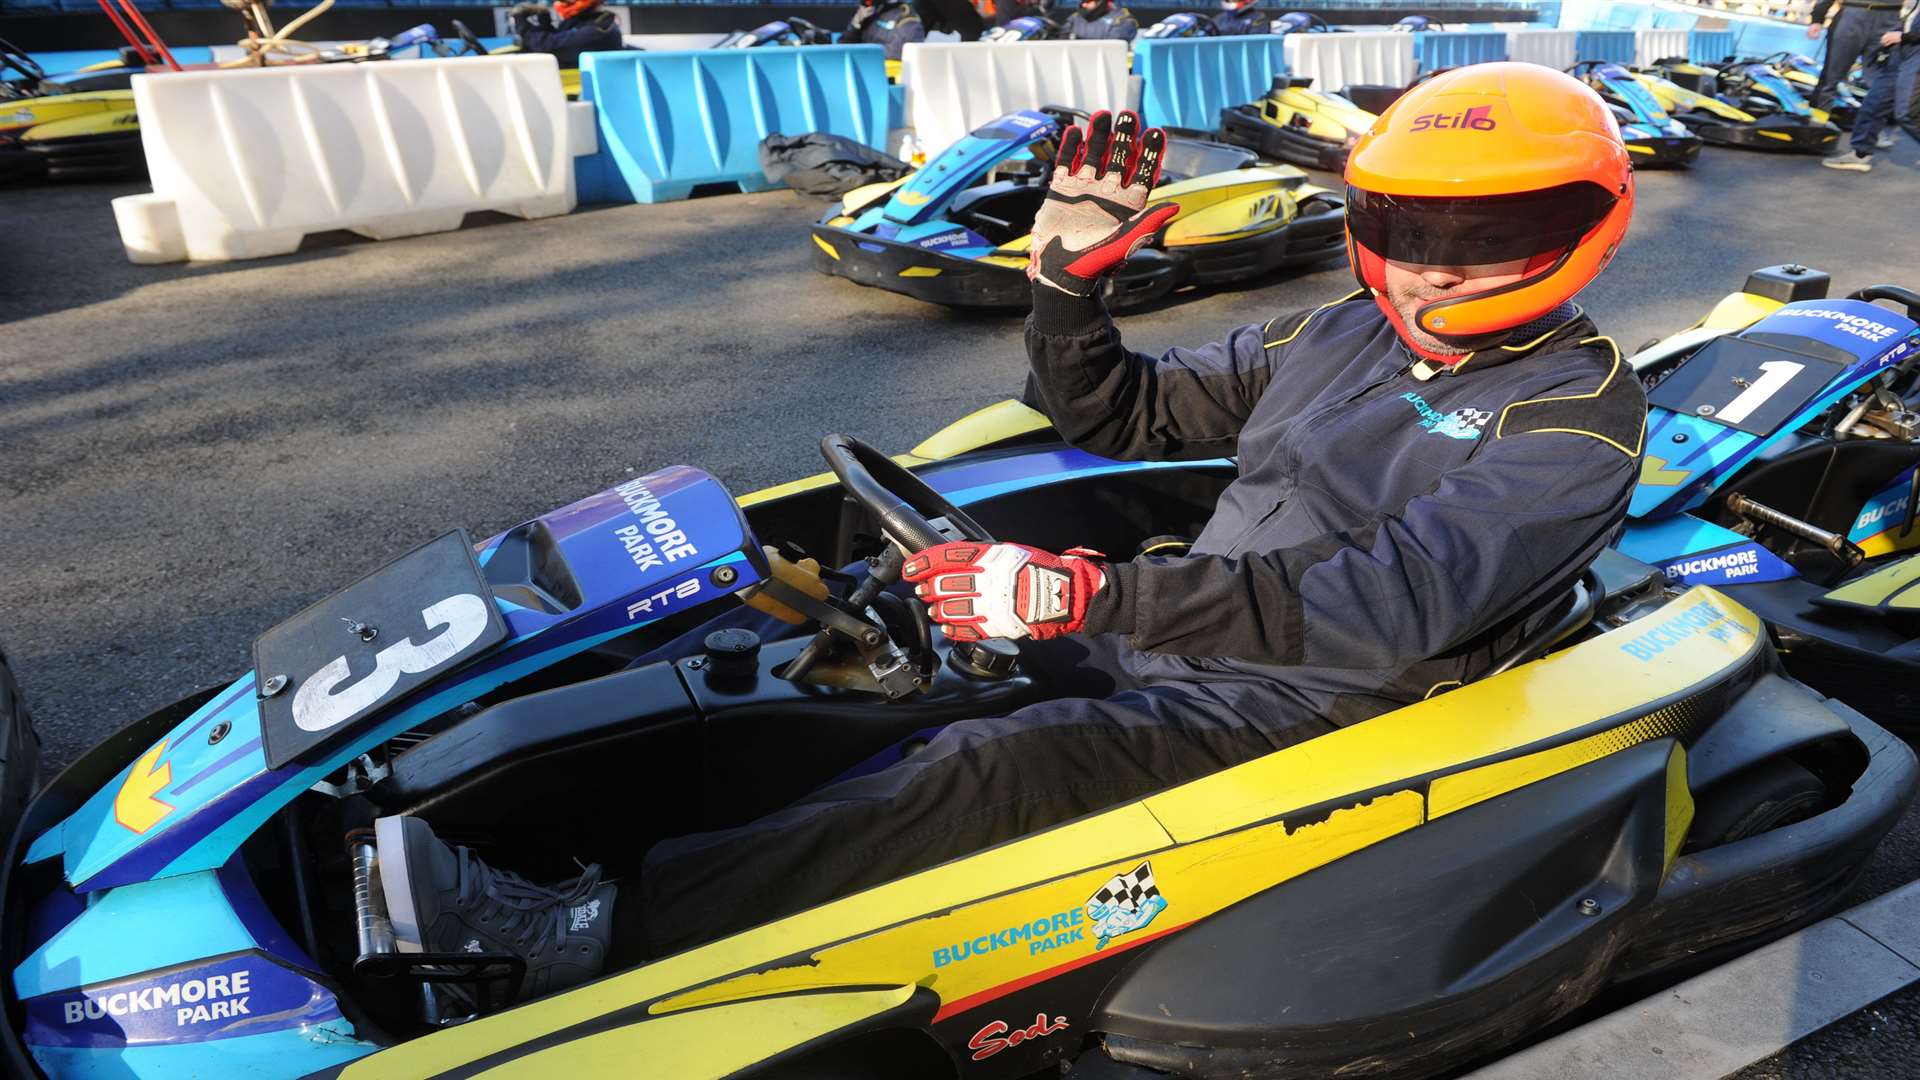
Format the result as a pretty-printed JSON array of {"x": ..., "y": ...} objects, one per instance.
[{"x": 19, "y": 753}]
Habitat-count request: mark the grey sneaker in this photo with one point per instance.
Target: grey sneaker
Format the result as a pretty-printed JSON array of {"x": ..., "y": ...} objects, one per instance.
[
  {"x": 1849, "y": 160},
  {"x": 1886, "y": 139},
  {"x": 444, "y": 899}
]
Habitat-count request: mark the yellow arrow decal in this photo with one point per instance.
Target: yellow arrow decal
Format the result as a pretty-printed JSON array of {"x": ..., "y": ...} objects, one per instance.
[
  {"x": 1654, "y": 473},
  {"x": 135, "y": 807}
]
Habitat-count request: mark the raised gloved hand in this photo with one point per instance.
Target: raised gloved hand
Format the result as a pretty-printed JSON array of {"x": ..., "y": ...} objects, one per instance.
[
  {"x": 979, "y": 591},
  {"x": 523, "y": 15},
  {"x": 1095, "y": 213}
]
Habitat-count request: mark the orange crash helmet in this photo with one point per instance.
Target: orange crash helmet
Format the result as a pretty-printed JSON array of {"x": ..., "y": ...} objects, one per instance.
[{"x": 1482, "y": 165}]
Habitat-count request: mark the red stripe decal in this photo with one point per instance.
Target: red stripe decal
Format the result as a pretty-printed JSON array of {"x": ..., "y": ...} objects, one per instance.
[{"x": 992, "y": 993}]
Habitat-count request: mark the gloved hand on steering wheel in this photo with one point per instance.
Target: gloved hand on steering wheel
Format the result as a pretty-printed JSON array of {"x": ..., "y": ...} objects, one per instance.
[
  {"x": 1096, "y": 212},
  {"x": 976, "y": 590}
]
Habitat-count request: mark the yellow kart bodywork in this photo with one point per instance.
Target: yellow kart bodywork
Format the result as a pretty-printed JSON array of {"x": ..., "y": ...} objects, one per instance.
[
  {"x": 1213, "y": 842},
  {"x": 93, "y": 112}
]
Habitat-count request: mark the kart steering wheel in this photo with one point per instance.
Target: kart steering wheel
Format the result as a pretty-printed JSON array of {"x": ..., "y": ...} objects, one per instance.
[
  {"x": 472, "y": 43},
  {"x": 12, "y": 56},
  {"x": 1906, "y": 298},
  {"x": 900, "y": 501}
]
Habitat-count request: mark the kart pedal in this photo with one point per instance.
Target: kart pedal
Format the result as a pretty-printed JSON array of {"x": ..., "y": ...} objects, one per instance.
[{"x": 490, "y": 974}]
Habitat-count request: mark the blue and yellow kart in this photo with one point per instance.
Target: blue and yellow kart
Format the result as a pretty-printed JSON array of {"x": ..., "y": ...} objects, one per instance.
[
  {"x": 1780, "y": 468},
  {"x": 1652, "y": 136},
  {"x": 957, "y": 230},
  {"x": 198, "y": 896},
  {"x": 1744, "y": 104}
]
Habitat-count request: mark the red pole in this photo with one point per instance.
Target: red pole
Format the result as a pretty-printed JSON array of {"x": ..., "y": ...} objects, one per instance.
[
  {"x": 146, "y": 56},
  {"x": 139, "y": 20}
]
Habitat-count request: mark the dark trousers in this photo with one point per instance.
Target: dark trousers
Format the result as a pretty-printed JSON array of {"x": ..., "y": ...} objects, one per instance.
[
  {"x": 1855, "y": 35},
  {"x": 1111, "y": 739},
  {"x": 1892, "y": 97}
]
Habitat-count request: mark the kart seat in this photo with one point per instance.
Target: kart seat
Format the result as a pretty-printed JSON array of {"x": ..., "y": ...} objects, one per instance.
[{"x": 1575, "y": 610}]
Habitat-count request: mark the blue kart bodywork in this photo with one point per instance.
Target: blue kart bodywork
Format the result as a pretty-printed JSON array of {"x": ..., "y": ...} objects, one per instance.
[
  {"x": 1652, "y": 136},
  {"x": 957, "y": 230},
  {"x": 1754, "y": 414},
  {"x": 143, "y": 945}
]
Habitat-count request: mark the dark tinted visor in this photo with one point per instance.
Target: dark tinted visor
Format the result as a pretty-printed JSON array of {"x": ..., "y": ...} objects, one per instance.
[{"x": 1475, "y": 230}]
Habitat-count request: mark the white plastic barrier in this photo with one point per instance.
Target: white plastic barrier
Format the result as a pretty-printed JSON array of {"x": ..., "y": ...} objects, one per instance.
[
  {"x": 672, "y": 42},
  {"x": 1549, "y": 48},
  {"x": 246, "y": 162},
  {"x": 1335, "y": 61},
  {"x": 1651, "y": 45},
  {"x": 953, "y": 89}
]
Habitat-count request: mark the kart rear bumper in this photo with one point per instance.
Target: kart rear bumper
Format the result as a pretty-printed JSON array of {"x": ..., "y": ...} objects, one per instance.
[
  {"x": 1243, "y": 126},
  {"x": 938, "y": 278},
  {"x": 1663, "y": 151},
  {"x": 933, "y": 276},
  {"x": 1783, "y": 134}
]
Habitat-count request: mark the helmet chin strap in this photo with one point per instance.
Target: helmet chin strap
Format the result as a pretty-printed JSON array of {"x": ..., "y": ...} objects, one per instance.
[{"x": 1406, "y": 335}]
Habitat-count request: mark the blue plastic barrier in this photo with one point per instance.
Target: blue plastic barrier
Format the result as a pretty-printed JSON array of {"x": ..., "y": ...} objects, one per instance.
[
  {"x": 1756, "y": 37},
  {"x": 672, "y": 120},
  {"x": 1709, "y": 46},
  {"x": 1614, "y": 45},
  {"x": 1457, "y": 48},
  {"x": 1185, "y": 82},
  {"x": 1664, "y": 19}
]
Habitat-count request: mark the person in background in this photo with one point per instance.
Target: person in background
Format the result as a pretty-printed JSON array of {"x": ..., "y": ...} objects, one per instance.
[
  {"x": 1100, "y": 20},
  {"x": 584, "y": 27},
  {"x": 1856, "y": 35},
  {"x": 1241, "y": 17},
  {"x": 886, "y": 23},
  {"x": 1893, "y": 98}
]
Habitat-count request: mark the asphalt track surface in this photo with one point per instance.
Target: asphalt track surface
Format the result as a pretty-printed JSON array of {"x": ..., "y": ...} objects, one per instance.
[{"x": 189, "y": 454}]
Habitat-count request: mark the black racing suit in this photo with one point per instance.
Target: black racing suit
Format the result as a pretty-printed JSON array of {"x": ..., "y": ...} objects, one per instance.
[
  {"x": 595, "y": 30},
  {"x": 1246, "y": 21},
  {"x": 893, "y": 26},
  {"x": 1395, "y": 525},
  {"x": 1114, "y": 24}
]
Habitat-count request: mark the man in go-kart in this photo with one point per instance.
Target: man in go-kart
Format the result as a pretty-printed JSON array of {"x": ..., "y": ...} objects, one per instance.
[{"x": 1425, "y": 467}]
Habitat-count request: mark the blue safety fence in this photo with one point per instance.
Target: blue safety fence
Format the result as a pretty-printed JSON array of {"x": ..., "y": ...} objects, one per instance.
[
  {"x": 1457, "y": 48},
  {"x": 1614, "y": 45},
  {"x": 1185, "y": 82},
  {"x": 1709, "y": 46},
  {"x": 671, "y": 121},
  {"x": 1750, "y": 35},
  {"x": 1758, "y": 38}
]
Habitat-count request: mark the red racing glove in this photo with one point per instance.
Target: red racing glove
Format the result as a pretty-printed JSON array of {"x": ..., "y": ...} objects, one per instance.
[
  {"x": 1093, "y": 217},
  {"x": 979, "y": 591}
]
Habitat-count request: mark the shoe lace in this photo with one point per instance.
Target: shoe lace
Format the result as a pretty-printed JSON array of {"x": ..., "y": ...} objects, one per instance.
[{"x": 533, "y": 916}]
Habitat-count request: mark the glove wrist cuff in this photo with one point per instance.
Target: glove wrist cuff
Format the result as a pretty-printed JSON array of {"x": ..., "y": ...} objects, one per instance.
[
  {"x": 1060, "y": 314},
  {"x": 1110, "y": 609}
]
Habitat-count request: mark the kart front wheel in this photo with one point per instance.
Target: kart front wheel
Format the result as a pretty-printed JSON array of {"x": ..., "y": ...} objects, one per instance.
[{"x": 1773, "y": 794}]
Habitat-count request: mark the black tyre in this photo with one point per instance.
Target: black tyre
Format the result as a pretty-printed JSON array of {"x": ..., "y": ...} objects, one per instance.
[
  {"x": 19, "y": 753},
  {"x": 1764, "y": 798}
]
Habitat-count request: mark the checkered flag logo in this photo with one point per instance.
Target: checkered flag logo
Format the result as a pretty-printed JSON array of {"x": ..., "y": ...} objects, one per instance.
[{"x": 1129, "y": 891}]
